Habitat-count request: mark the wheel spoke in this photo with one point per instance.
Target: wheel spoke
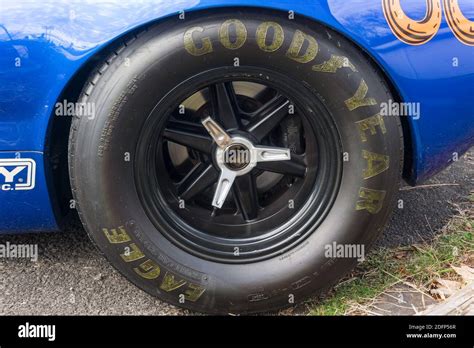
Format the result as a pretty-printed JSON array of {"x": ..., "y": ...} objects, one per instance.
[
  {"x": 294, "y": 167},
  {"x": 188, "y": 134},
  {"x": 268, "y": 117},
  {"x": 224, "y": 105},
  {"x": 224, "y": 184},
  {"x": 271, "y": 154},
  {"x": 219, "y": 135},
  {"x": 197, "y": 180},
  {"x": 245, "y": 193}
]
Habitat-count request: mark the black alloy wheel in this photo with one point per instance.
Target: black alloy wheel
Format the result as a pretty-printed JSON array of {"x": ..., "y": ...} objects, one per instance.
[{"x": 257, "y": 217}]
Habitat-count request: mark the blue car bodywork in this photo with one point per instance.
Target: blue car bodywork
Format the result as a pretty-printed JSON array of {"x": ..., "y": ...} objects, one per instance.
[{"x": 46, "y": 46}]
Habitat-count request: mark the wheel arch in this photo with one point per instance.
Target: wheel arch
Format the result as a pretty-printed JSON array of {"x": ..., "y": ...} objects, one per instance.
[{"x": 57, "y": 135}]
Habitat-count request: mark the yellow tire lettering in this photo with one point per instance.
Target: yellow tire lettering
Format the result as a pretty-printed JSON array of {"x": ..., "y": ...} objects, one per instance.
[
  {"x": 294, "y": 52},
  {"x": 372, "y": 200},
  {"x": 116, "y": 237},
  {"x": 333, "y": 64},
  {"x": 193, "y": 292},
  {"x": 359, "y": 99},
  {"x": 134, "y": 254},
  {"x": 169, "y": 283},
  {"x": 148, "y": 270},
  {"x": 277, "y": 40},
  {"x": 190, "y": 45},
  {"x": 369, "y": 124},
  {"x": 462, "y": 27},
  {"x": 376, "y": 163},
  {"x": 410, "y": 31},
  {"x": 241, "y": 34}
]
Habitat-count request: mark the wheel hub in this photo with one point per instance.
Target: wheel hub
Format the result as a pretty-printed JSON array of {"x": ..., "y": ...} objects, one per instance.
[{"x": 237, "y": 156}]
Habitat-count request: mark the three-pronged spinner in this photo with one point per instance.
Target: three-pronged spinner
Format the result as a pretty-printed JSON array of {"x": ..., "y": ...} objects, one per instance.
[{"x": 236, "y": 156}]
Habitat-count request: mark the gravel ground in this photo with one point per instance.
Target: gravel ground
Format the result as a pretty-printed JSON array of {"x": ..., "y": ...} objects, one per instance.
[{"x": 70, "y": 277}]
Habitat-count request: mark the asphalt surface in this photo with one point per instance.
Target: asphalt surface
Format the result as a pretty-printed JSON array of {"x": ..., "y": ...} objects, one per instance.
[{"x": 71, "y": 277}]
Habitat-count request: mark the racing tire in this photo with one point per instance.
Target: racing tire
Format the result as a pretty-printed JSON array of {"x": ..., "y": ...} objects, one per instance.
[{"x": 143, "y": 170}]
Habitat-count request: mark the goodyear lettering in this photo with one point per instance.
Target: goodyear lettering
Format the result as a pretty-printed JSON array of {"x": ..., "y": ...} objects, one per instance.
[
  {"x": 376, "y": 163},
  {"x": 148, "y": 270},
  {"x": 303, "y": 47},
  {"x": 134, "y": 253},
  {"x": 294, "y": 52},
  {"x": 194, "y": 292},
  {"x": 240, "y": 30},
  {"x": 333, "y": 64},
  {"x": 372, "y": 200},
  {"x": 190, "y": 45},
  {"x": 275, "y": 42},
  {"x": 170, "y": 283},
  {"x": 369, "y": 124},
  {"x": 359, "y": 99},
  {"x": 116, "y": 237}
]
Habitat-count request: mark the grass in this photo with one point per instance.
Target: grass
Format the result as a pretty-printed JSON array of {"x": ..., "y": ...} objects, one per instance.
[
  {"x": 471, "y": 197},
  {"x": 416, "y": 265}
]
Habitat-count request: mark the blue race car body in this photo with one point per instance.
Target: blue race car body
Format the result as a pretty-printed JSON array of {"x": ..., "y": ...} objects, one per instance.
[{"x": 47, "y": 48}]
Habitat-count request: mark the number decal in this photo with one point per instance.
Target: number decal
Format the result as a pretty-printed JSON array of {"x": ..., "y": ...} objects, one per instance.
[
  {"x": 408, "y": 30},
  {"x": 462, "y": 28},
  {"x": 414, "y": 32}
]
